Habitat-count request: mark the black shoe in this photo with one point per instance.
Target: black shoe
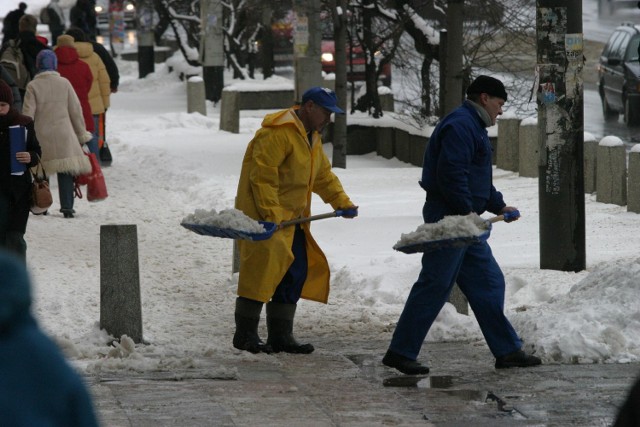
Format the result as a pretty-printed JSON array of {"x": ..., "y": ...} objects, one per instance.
[
  {"x": 404, "y": 364},
  {"x": 517, "y": 359},
  {"x": 68, "y": 214}
]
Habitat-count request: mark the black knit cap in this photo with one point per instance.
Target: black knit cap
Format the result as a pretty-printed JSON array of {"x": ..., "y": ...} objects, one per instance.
[
  {"x": 489, "y": 85},
  {"x": 6, "y": 95}
]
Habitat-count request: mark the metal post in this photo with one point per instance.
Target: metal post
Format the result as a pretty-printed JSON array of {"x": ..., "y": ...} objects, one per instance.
[
  {"x": 212, "y": 48},
  {"x": 442, "y": 50},
  {"x": 453, "y": 78},
  {"x": 560, "y": 98},
  {"x": 146, "y": 59},
  {"x": 340, "y": 120}
]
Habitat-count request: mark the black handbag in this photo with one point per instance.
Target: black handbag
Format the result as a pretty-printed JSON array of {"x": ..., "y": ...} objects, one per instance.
[{"x": 105, "y": 155}]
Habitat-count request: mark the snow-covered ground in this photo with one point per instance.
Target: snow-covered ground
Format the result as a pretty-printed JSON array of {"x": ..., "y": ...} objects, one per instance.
[{"x": 168, "y": 163}]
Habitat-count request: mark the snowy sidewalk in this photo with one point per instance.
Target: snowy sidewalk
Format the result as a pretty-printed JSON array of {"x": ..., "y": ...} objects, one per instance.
[{"x": 345, "y": 384}]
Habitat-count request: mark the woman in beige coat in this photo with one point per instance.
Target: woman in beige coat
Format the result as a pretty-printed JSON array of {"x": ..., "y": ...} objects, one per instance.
[{"x": 57, "y": 114}]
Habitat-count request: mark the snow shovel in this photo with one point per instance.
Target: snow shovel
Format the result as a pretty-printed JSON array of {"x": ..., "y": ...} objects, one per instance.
[
  {"x": 456, "y": 242},
  {"x": 269, "y": 227}
]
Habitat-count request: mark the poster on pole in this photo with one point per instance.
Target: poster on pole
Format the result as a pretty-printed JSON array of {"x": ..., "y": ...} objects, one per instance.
[
  {"x": 116, "y": 26},
  {"x": 301, "y": 35}
]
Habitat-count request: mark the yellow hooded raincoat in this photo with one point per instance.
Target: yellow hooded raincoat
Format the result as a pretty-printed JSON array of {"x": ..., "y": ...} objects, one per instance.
[{"x": 280, "y": 170}]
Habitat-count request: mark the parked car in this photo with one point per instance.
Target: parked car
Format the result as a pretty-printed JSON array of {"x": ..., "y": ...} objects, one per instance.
[
  {"x": 355, "y": 65},
  {"x": 619, "y": 75},
  {"x": 102, "y": 13}
]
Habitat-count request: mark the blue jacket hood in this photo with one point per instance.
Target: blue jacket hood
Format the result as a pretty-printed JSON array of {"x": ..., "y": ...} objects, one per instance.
[{"x": 15, "y": 293}]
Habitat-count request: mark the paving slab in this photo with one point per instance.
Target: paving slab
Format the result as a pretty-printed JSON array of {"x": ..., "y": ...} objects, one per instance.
[{"x": 345, "y": 384}]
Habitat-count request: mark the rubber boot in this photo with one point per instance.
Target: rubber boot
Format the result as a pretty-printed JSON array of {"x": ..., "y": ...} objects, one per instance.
[
  {"x": 247, "y": 318},
  {"x": 280, "y": 327}
]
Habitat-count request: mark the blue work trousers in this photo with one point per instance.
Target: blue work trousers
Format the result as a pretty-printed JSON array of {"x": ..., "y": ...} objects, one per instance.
[
  {"x": 290, "y": 287},
  {"x": 479, "y": 277}
]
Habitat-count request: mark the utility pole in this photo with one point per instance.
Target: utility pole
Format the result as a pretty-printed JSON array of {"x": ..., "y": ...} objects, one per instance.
[
  {"x": 560, "y": 99},
  {"x": 307, "y": 38},
  {"x": 146, "y": 57},
  {"x": 453, "y": 94},
  {"x": 212, "y": 48},
  {"x": 339, "y": 12}
]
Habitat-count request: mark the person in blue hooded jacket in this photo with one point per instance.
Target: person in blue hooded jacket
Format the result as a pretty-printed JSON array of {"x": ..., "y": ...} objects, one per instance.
[
  {"x": 37, "y": 386},
  {"x": 457, "y": 176}
]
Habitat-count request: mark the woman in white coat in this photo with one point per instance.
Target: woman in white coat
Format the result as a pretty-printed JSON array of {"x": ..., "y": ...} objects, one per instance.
[{"x": 57, "y": 114}]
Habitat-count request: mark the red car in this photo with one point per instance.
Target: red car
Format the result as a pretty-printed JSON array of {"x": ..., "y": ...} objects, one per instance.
[{"x": 355, "y": 66}]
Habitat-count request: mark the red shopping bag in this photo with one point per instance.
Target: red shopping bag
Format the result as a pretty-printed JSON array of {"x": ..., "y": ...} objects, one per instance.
[{"x": 94, "y": 180}]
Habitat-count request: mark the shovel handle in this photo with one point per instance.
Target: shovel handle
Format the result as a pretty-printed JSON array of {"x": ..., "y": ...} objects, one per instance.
[
  {"x": 339, "y": 212},
  {"x": 507, "y": 216}
]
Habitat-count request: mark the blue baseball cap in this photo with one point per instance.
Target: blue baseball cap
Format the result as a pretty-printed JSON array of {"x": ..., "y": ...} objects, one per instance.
[{"x": 324, "y": 97}]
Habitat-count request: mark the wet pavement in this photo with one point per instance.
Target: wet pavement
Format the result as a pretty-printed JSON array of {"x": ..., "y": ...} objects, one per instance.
[{"x": 345, "y": 384}]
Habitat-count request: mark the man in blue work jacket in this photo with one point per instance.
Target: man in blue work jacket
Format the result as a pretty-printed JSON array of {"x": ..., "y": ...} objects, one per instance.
[{"x": 457, "y": 176}]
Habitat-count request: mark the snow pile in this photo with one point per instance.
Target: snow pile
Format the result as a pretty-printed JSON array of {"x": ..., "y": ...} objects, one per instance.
[
  {"x": 449, "y": 227},
  {"x": 233, "y": 219},
  {"x": 596, "y": 321}
]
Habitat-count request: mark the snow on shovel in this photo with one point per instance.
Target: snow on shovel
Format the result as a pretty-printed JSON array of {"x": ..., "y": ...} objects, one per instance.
[
  {"x": 453, "y": 231},
  {"x": 234, "y": 224}
]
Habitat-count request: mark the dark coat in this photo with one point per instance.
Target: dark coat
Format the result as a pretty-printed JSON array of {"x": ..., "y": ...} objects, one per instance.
[
  {"x": 38, "y": 387},
  {"x": 109, "y": 63},
  {"x": 16, "y": 189},
  {"x": 10, "y": 24},
  {"x": 17, "y": 97},
  {"x": 457, "y": 170},
  {"x": 30, "y": 47}
]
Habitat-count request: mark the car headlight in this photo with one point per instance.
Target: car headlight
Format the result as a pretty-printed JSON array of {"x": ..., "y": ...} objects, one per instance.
[
  {"x": 130, "y": 7},
  {"x": 327, "y": 57},
  {"x": 98, "y": 9}
]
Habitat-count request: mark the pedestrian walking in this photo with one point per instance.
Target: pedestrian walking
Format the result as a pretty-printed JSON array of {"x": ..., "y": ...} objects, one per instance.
[
  {"x": 10, "y": 23},
  {"x": 54, "y": 18},
  {"x": 38, "y": 387},
  {"x": 19, "y": 54},
  {"x": 100, "y": 93},
  {"x": 15, "y": 185},
  {"x": 114, "y": 80},
  {"x": 457, "y": 176},
  {"x": 83, "y": 16},
  {"x": 78, "y": 73},
  {"x": 283, "y": 165},
  {"x": 56, "y": 110}
]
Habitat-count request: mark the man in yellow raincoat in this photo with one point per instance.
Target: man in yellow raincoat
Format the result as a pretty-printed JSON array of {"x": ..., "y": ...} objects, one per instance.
[{"x": 283, "y": 165}]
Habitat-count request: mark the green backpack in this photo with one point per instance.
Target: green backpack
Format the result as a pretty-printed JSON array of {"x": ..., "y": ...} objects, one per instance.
[{"x": 12, "y": 61}]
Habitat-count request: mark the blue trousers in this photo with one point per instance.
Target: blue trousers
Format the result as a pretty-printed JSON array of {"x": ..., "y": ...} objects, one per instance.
[
  {"x": 66, "y": 189},
  {"x": 93, "y": 144},
  {"x": 290, "y": 287},
  {"x": 478, "y": 275}
]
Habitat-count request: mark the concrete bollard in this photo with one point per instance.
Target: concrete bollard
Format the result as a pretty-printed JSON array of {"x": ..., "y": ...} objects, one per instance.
[
  {"x": 196, "y": 96},
  {"x": 386, "y": 99},
  {"x": 612, "y": 171},
  {"x": 590, "y": 162},
  {"x": 229, "y": 112},
  {"x": 507, "y": 156},
  {"x": 385, "y": 142},
  {"x": 459, "y": 301},
  {"x": 120, "y": 304},
  {"x": 528, "y": 152},
  {"x": 633, "y": 181}
]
